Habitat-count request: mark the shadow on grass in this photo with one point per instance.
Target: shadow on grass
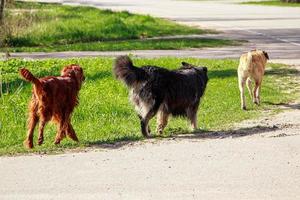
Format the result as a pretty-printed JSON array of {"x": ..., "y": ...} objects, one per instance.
[
  {"x": 221, "y": 73},
  {"x": 282, "y": 71},
  {"x": 196, "y": 135},
  {"x": 295, "y": 106}
]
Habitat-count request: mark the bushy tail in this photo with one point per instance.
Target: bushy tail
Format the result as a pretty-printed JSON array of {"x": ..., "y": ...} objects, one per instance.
[
  {"x": 28, "y": 76},
  {"x": 124, "y": 70}
]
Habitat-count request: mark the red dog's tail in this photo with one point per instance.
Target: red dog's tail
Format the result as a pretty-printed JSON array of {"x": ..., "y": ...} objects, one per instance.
[{"x": 28, "y": 76}]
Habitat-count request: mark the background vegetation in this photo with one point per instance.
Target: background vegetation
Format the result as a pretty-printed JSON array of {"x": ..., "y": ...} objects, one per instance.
[{"x": 54, "y": 27}]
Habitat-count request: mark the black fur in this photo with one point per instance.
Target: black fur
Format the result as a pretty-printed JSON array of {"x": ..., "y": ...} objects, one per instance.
[
  {"x": 175, "y": 92},
  {"x": 266, "y": 55},
  {"x": 125, "y": 71}
]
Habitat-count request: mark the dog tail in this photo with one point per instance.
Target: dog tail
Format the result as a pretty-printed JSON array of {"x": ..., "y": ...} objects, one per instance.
[
  {"x": 249, "y": 60},
  {"x": 28, "y": 76},
  {"x": 127, "y": 72}
]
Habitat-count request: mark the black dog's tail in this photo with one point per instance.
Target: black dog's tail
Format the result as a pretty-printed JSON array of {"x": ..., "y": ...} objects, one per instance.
[{"x": 128, "y": 73}]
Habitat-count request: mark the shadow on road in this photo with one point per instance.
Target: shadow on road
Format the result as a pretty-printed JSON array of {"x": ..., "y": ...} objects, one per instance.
[{"x": 197, "y": 135}]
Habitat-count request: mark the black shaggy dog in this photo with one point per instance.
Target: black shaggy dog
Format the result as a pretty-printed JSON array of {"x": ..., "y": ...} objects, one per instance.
[{"x": 154, "y": 89}]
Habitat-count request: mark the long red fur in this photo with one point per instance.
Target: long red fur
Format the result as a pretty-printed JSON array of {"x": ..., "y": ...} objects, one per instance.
[{"x": 53, "y": 99}]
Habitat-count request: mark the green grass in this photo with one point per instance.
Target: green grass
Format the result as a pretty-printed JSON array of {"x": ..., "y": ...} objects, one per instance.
[
  {"x": 55, "y": 27},
  {"x": 272, "y": 3},
  {"x": 105, "y": 114}
]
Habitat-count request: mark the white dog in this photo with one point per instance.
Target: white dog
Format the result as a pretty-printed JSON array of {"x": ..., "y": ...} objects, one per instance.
[{"x": 251, "y": 67}]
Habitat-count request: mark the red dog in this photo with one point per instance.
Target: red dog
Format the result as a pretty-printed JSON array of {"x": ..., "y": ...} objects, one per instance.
[{"x": 53, "y": 98}]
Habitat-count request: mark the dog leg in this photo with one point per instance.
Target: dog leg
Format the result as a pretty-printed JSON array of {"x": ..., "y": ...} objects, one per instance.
[
  {"x": 258, "y": 95},
  {"x": 162, "y": 121},
  {"x": 241, "y": 87},
  {"x": 33, "y": 120},
  {"x": 249, "y": 86},
  {"x": 71, "y": 133},
  {"x": 145, "y": 120},
  {"x": 145, "y": 124},
  {"x": 41, "y": 132},
  {"x": 194, "y": 123},
  {"x": 148, "y": 127},
  {"x": 60, "y": 132},
  {"x": 192, "y": 116}
]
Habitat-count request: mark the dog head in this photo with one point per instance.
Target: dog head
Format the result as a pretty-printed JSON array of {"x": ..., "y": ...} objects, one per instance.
[
  {"x": 186, "y": 65},
  {"x": 74, "y": 71},
  {"x": 201, "y": 70},
  {"x": 266, "y": 55}
]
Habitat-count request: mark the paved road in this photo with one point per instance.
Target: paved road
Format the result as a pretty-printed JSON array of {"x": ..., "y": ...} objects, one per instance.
[
  {"x": 275, "y": 29},
  {"x": 261, "y": 162}
]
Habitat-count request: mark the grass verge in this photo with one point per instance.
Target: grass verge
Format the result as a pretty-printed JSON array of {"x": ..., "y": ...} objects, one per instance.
[
  {"x": 272, "y": 3},
  {"x": 148, "y": 44},
  {"x": 105, "y": 114},
  {"x": 54, "y": 27}
]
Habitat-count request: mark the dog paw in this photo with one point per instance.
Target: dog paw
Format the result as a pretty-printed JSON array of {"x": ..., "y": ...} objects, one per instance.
[
  {"x": 40, "y": 141},
  {"x": 57, "y": 141},
  {"x": 28, "y": 144},
  {"x": 146, "y": 135},
  {"x": 244, "y": 108},
  {"x": 256, "y": 102},
  {"x": 159, "y": 131},
  {"x": 73, "y": 137},
  {"x": 149, "y": 130}
]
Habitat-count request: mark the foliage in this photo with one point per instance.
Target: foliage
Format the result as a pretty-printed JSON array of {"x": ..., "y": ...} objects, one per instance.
[{"x": 47, "y": 25}]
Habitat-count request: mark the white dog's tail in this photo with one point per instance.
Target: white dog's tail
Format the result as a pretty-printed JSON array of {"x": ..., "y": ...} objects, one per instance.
[{"x": 249, "y": 60}]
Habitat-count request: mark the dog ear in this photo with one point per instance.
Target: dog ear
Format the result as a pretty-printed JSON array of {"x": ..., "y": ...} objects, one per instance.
[
  {"x": 266, "y": 55},
  {"x": 185, "y": 64},
  {"x": 205, "y": 69}
]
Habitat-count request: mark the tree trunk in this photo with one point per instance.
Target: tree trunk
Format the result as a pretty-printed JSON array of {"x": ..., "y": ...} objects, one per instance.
[
  {"x": 2, "y": 4},
  {"x": 291, "y": 1}
]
